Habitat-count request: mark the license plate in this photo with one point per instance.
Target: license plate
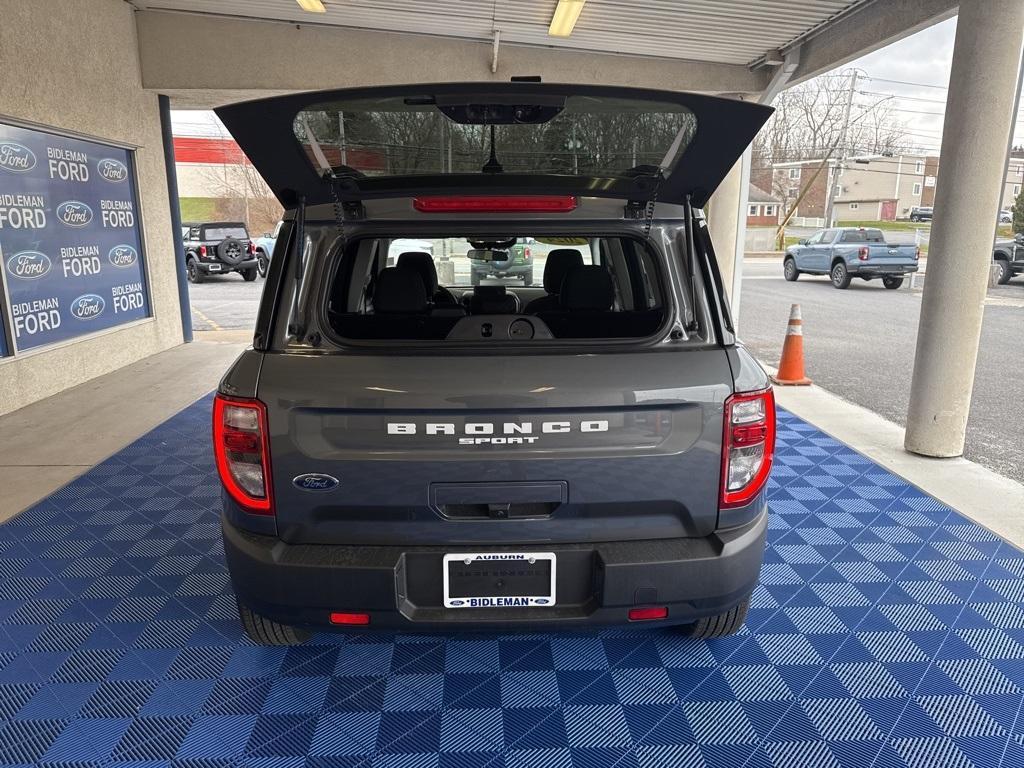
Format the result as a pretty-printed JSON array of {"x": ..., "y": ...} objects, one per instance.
[
  {"x": 215, "y": 267},
  {"x": 499, "y": 580}
]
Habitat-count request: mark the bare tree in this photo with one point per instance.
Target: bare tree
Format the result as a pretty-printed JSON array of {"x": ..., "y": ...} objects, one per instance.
[{"x": 242, "y": 194}]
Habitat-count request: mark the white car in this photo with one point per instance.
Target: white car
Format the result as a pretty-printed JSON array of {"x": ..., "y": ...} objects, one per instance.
[
  {"x": 400, "y": 246},
  {"x": 1005, "y": 216}
]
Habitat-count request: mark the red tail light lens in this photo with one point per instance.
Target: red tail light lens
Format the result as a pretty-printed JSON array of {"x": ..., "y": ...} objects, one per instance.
[
  {"x": 526, "y": 253},
  {"x": 747, "y": 446},
  {"x": 251, "y": 247},
  {"x": 202, "y": 250},
  {"x": 241, "y": 448},
  {"x": 862, "y": 253},
  {"x": 496, "y": 204}
]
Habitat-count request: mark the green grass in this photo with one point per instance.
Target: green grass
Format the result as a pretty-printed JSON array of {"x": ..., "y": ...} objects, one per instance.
[
  {"x": 198, "y": 208},
  {"x": 891, "y": 226}
]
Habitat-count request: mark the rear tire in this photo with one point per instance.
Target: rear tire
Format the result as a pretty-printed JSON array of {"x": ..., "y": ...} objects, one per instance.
[
  {"x": 1004, "y": 272},
  {"x": 892, "y": 283},
  {"x": 266, "y": 632},
  {"x": 789, "y": 270},
  {"x": 474, "y": 279},
  {"x": 195, "y": 274},
  {"x": 250, "y": 274},
  {"x": 840, "y": 275},
  {"x": 262, "y": 263},
  {"x": 723, "y": 624}
]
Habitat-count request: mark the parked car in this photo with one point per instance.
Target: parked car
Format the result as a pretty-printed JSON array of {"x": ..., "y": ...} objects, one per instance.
[
  {"x": 1009, "y": 256},
  {"x": 1005, "y": 216},
  {"x": 518, "y": 264},
  {"x": 406, "y": 244},
  {"x": 397, "y": 458},
  {"x": 217, "y": 247},
  {"x": 265, "y": 249},
  {"x": 921, "y": 213},
  {"x": 844, "y": 253}
]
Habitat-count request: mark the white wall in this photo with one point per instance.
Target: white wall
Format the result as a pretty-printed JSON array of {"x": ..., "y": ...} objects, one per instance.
[{"x": 75, "y": 66}]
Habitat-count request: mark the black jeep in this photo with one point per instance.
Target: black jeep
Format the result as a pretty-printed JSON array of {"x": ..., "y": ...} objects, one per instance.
[{"x": 215, "y": 247}]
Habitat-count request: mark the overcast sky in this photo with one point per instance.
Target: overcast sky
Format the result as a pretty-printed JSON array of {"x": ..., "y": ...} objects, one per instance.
[{"x": 923, "y": 59}]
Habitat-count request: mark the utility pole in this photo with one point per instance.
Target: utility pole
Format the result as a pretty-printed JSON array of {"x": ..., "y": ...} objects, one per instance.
[{"x": 830, "y": 218}]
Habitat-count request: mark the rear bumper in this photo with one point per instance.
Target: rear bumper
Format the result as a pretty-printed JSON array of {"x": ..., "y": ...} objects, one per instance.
[
  {"x": 882, "y": 270},
  {"x": 400, "y": 587},
  {"x": 518, "y": 270},
  {"x": 217, "y": 267}
]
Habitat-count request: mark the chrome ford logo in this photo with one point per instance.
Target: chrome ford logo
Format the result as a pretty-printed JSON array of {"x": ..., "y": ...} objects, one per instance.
[
  {"x": 542, "y": 601},
  {"x": 29, "y": 265},
  {"x": 16, "y": 157},
  {"x": 315, "y": 481},
  {"x": 88, "y": 306},
  {"x": 112, "y": 170},
  {"x": 456, "y": 603},
  {"x": 123, "y": 255},
  {"x": 74, "y": 213}
]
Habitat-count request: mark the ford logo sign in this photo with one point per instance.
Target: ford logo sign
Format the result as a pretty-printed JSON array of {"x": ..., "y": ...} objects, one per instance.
[
  {"x": 88, "y": 306},
  {"x": 16, "y": 157},
  {"x": 29, "y": 265},
  {"x": 315, "y": 482},
  {"x": 123, "y": 255},
  {"x": 456, "y": 603},
  {"x": 112, "y": 170},
  {"x": 74, "y": 213}
]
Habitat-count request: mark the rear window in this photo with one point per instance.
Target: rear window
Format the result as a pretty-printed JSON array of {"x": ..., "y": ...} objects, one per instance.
[
  {"x": 863, "y": 236},
  {"x": 577, "y": 135},
  {"x": 223, "y": 231},
  {"x": 438, "y": 289}
]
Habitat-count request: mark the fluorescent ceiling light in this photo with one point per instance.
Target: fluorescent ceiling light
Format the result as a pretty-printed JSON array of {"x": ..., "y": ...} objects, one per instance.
[
  {"x": 566, "y": 14},
  {"x": 313, "y": 6}
]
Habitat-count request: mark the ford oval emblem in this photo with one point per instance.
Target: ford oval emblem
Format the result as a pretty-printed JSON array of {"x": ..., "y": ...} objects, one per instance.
[
  {"x": 112, "y": 170},
  {"x": 316, "y": 482},
  {"x": 74, "y": 213},
  {"x": 29, "y": 265},
  {"x": 541, "y": 601},
  {"x": 456, "y": 603},
  {"x": 88, "y": 306},
  {"x": 16, "y": 157},
  {"x": 123, "y": 255}
]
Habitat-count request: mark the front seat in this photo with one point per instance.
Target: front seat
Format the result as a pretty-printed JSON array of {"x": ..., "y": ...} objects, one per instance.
[
  {"x": 399, "y": 291},
  {"x": 492, "y": 300},
  {"x": 587, "y": 289},
  {"x": 423, "y": 264},
  {"x": 560, "y": 262}
]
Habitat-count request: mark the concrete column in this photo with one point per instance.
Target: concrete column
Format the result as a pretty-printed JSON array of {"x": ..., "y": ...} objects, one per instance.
[
  {"x": 979, "y": 117},
  {"x": 724, "y": 220}
]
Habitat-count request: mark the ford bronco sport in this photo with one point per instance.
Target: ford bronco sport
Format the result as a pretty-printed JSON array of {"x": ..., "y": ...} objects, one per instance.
[{"x": 400, "y": 451}]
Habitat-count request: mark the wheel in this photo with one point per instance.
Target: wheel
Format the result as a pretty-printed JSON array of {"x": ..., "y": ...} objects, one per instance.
[
  {"x": 266, "y": 632},
  {"x": 231, "y": 251},
  {"x": 723, "y": 624},
  {"x": 840, "y": 275},
  {"x": 1004, "y": 271},
  {"x": 915, "y": 218},
  {"x": 892, "y": 283},
  {"x": 789, "y": 270},
  {"x": 528, "y": 281},
  {"x": 195, "y": 274},
  {"x": 262, "y": 263},
  {"x": 474, "y": 278},
  {"x": 250, "y": 274}
]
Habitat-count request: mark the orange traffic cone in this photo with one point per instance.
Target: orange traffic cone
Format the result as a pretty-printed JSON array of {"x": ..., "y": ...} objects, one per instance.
[{"x": 791, "y": 367}]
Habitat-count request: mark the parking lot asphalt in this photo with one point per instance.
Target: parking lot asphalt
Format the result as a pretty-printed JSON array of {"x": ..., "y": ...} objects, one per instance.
[
  {"x": 224, "y": 303},
  {"x": 860, "y": 343}
]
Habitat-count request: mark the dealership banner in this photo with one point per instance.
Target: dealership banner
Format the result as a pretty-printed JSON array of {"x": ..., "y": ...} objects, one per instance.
[{"x": 70, "y": 238}]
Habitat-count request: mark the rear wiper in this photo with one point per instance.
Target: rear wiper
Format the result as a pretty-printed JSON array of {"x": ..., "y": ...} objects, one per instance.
[{"x": 492, "y": 165}]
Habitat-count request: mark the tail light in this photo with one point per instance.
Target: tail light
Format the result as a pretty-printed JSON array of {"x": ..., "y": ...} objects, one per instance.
[
  {"x": 526, "y": 253},
  {"x": 251, "y": 248},
  {"x": 747, "y": 446},
  {"x": 202, "y": 250},
  {"x": 241, "y": 448},
  {"x": 496, "y": 204},
  {"x": 862, "y": 253},
  {"x": 917, "y": 253}
]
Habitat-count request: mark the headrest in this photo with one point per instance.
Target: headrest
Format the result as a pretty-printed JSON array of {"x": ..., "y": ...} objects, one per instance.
[
  {"x": 399, "y": 291},
  {"x": 492, "y": 300},
  {"x": 587, "y": 287},
  {"x": 423, "y": 263},
  {"x": 559, "y": 262}
]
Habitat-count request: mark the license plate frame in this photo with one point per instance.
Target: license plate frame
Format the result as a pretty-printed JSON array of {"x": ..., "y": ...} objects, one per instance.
[
  {"x": 215, "y": 267},
  {"x": 498, "y": 601}
]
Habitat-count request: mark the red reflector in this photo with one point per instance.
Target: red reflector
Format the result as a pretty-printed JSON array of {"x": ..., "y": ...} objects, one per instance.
[
  {"x": 350, "y": 618},
  {"x": 496, "y": 204},
  {"x": 647, "y": 614}
]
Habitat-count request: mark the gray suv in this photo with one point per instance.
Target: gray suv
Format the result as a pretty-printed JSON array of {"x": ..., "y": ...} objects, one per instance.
[{"x": 403, "y": 450}]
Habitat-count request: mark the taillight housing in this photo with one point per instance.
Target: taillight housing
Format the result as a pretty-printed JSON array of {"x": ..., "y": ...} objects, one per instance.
[
  {"x": 251, "y": 248},
  {"x": 863, "y": 253},
  {"x": 917, "y": 253},
  {"x": 748, "y": 445},
  {"x": 242, "y": 451},
  {"x": 202, "y": 250},
  {"x": 526, "y": 253}
]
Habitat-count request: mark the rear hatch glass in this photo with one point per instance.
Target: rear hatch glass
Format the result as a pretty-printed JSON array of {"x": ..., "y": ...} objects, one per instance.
[{"x": 224, "y": 231}]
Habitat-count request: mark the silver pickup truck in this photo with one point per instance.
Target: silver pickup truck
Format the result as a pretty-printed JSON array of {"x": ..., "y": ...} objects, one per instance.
[{"x": 844, "y": 253}]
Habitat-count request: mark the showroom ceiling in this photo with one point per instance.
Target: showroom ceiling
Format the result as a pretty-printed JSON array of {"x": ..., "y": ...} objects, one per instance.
[{"x": 726, "y": 31}]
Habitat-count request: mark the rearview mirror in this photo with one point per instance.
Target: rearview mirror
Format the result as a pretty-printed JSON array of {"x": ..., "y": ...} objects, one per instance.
[
  {"x": 1019, "y": 237},
  {"x": 487, "y": 254},
  {"x": 802, "y": 241}
]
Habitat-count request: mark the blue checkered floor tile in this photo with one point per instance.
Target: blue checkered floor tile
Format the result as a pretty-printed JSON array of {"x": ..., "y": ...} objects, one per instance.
[{"x": 887, "y": 631}]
